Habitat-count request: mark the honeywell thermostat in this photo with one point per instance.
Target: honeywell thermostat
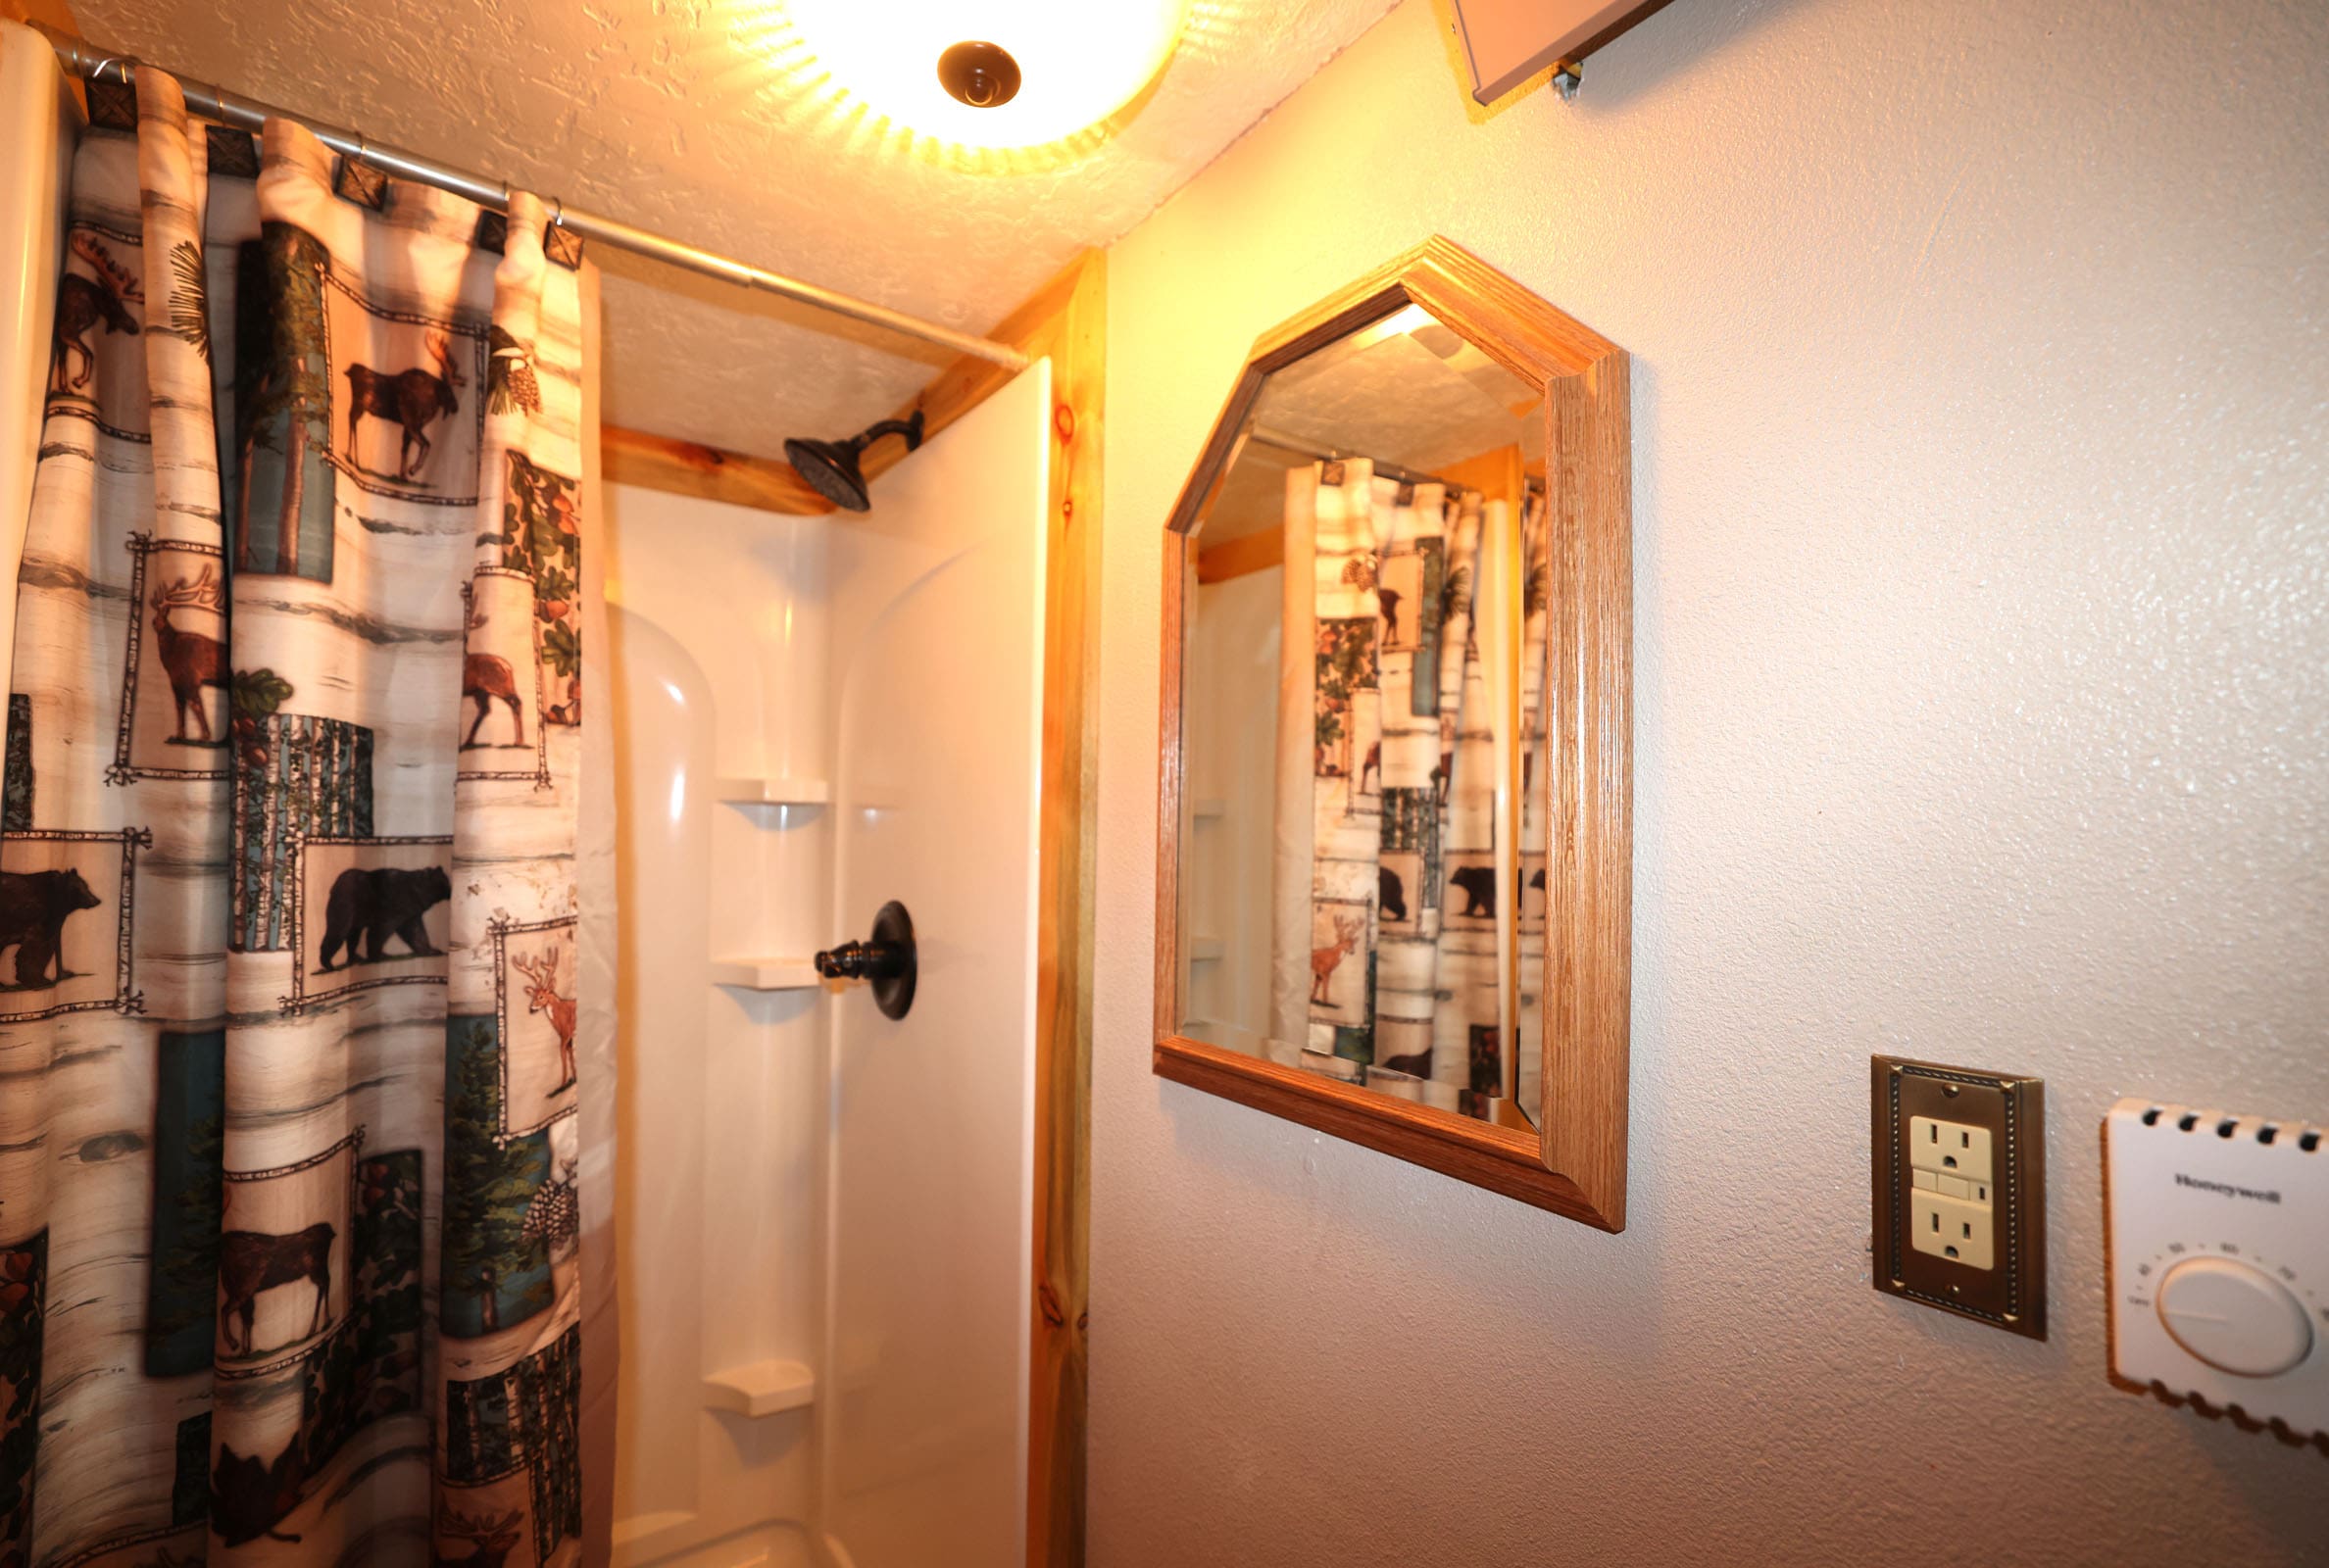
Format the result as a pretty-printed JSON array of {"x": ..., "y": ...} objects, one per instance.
[{"x": 2220, "y": 1247}]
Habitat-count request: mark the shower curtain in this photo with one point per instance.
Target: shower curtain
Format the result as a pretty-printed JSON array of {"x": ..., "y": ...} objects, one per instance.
[
  {"x": 289, "y": 1227},
  {"x": 1386, "y": 886}
]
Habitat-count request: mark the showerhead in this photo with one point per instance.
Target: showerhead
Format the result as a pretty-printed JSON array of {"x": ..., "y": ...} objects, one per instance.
[{"x": 833, "y": 467}]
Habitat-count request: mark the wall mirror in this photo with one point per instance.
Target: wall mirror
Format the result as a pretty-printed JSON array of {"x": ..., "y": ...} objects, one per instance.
[{"x": 1395, "y": 869}]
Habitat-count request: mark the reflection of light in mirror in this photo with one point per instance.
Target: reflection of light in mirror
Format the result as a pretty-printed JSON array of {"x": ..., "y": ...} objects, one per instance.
[
  {"x": 1411, "y": 319},
  {"x": 1083, "y": 65}
]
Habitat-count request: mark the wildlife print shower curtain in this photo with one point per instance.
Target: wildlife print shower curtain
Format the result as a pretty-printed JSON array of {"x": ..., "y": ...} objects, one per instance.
[
  {"x": 1398, "y": 874},
  {"x": 287, "y": 912}
]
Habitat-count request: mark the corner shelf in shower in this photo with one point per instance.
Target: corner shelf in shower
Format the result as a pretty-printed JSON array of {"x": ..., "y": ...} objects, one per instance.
[
  {"x": 764, "y": 1387},
  {"x": 774, "y": 790},
  {"x": 766, "y": 974},
  {"x": 1206, "y": 949}
]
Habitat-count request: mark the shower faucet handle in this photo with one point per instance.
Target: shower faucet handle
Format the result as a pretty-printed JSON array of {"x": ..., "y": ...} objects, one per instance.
[
  {"x": 887, "y": 958},
  {"x": 859, "y": 960}
]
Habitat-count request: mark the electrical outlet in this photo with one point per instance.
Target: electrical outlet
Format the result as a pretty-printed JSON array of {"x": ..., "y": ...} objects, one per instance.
[
  {"x": 1951, "y": 1214},
  {"x": 1958, "y": 1186},
  {"x": 1950, "y": 1148},
  {"x": 1955, "y": 1228}
]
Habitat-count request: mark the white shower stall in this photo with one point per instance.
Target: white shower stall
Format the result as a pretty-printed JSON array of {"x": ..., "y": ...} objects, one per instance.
[{"x": 824, "y": 1217}]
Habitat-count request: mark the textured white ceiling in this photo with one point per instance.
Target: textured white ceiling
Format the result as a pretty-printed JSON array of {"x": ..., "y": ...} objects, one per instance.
[
  {"x": 1422, "y": 398},
  {"x": 669, "y": 112}
]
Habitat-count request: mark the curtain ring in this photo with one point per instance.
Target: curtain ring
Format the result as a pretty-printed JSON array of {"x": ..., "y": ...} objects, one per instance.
[
  {"x": 98, "y": 74},
  {"x": 363, "y": 150},
  {"x": 557, "y": 212}
]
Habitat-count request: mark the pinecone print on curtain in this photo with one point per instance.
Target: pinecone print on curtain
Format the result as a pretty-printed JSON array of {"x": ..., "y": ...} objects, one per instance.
[
  {"x": 259, "y": 915},
  {"x": 541, "y": 537}
]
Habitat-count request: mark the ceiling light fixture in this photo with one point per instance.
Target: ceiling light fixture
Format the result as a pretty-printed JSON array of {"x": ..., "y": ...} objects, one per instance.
[
  {"x": 981, "y": 74},
  {"x": 991, "y": 74}
]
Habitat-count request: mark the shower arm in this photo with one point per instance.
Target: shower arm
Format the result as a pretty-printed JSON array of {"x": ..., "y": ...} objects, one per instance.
[
  {"x": 910, "y": 430},
  {"x": 85, "y": 60}
]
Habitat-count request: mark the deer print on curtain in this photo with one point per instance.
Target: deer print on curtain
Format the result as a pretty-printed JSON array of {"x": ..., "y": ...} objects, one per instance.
[
  {"x": 286, "y": 940},
  {"x": 1401, "y": 882}
]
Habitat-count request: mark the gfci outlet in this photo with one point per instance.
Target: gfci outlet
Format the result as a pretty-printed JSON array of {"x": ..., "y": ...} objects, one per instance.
[
  {"x": 1958, "y": 1165},
  {"x": 1949, "y": 1210}
]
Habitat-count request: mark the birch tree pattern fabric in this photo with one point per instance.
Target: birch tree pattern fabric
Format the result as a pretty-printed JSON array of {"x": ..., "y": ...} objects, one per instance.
[
  {"x": 288, "y": 1214},
  {"x": 1404, "y": 902}
]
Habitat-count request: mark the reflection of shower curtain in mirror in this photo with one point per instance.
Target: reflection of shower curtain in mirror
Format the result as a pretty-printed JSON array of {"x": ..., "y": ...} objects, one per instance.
[
  {"x": 1387, "y": 892},
  {"x": 289, "y": 1224}
]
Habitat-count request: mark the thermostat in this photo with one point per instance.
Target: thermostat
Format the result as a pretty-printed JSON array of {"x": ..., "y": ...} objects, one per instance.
[{"x": 2220, "y": 1248}]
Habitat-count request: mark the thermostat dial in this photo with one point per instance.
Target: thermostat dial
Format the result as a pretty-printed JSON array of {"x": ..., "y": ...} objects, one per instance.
[{"x": 2236, "y": 1318}]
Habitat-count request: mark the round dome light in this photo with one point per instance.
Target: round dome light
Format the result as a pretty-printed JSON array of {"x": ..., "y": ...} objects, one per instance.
[
  {"x": 945, "y": 69},
  {"x": 981, "y": 74}
]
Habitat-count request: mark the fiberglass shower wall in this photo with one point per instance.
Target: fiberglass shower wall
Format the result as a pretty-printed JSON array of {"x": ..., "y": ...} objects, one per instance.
[
  {"x": 39, "y": 125},
  {"x": 825, "y": 1222}
]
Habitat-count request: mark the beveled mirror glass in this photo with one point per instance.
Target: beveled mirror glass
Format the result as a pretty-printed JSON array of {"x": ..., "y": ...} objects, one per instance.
[
  {"x": 1364, "y": 654},
  {"x": 1351, "y": 708}
]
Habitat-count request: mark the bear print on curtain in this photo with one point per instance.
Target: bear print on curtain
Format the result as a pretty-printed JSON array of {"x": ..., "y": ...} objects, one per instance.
[
  {"x": 1400, "y": 889},
  {"x": 287, "y": 903}
]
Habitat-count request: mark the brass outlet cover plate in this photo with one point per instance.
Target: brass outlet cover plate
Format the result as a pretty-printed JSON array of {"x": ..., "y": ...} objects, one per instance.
[{"x": 2010, "y": 1295}]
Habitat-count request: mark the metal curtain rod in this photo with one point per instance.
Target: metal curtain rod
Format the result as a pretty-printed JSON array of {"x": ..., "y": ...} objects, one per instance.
[
  {"x": 1263, "y": 435},
  {"x": 85, "y": 59}
]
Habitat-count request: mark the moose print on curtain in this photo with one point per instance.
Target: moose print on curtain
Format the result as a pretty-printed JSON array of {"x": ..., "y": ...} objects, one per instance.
[{"x": 288, "y": 1221}]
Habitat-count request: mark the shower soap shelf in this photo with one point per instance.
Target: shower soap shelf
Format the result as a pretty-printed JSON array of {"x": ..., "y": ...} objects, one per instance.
[
  {"x": 764, "y": 1387},
  {"x": 766, "y": 974},
  {"x": 774, "y": 791}
]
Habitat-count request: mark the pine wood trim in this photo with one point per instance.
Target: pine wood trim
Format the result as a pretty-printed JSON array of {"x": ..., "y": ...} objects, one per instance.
[
  {"x": 686, "y": 468},
  {"x": 1239, "y": 557},
  {"x": 1039, "y": 323},
  {"x": 714, "y": 474},
  {"x": 51, "y": 13},
  {"x": 1068, "y": 320},
  {"x": 1574, "y": 1164}
]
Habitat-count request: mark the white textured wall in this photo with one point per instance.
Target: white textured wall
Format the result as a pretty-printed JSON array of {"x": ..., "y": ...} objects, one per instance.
[{"x": 1982, "y": 556}]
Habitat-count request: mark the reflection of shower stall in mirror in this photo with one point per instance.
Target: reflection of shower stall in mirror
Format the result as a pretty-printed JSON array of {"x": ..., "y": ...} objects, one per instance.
[{"x": 825, "y": 1215}]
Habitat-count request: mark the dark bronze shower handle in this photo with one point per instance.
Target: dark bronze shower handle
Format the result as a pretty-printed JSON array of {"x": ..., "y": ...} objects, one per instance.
[
  {"x": 859, "y": 960},
  {"x": 886, "y": 959}
]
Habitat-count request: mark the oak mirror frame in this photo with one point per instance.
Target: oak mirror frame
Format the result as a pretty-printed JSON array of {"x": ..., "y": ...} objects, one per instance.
[{"x": 1572, "y": 1159}]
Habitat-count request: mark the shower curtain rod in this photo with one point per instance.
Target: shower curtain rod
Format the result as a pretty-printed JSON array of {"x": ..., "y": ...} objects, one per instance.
[
  {"x": 85, "y": 59},
  {"x": 1266, "y": 436}
]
